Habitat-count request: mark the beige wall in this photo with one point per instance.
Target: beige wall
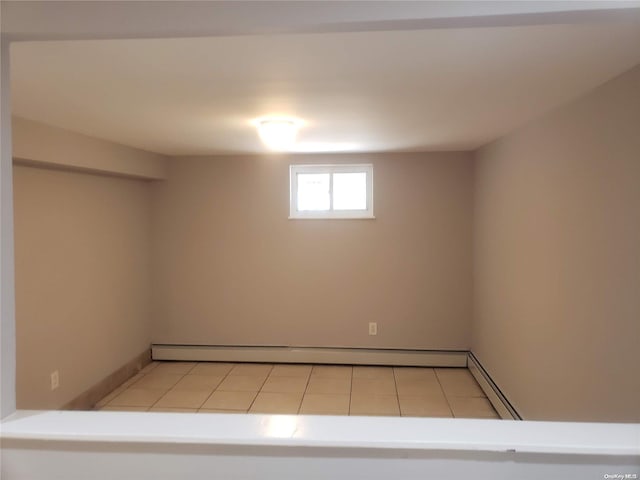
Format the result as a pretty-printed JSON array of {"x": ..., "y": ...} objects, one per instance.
[
  {"x": 557, "y": 263},
  {"x": 44, "y": 145},
  {"x": 231, "y": 269},
  {"x": 82, "y": 279}
]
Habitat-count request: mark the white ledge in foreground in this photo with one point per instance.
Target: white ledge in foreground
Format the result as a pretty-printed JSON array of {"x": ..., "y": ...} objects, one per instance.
[{"x": 325, "y": 431}]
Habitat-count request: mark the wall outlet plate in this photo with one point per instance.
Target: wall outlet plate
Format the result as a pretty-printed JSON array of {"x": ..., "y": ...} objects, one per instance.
[
  {"x": 373, "y": 328},
  {"x": 55, "y": 379}
]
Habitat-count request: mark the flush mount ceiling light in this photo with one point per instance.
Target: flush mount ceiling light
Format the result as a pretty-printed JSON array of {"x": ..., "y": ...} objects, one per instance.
[{"x": 278, "y": 134}]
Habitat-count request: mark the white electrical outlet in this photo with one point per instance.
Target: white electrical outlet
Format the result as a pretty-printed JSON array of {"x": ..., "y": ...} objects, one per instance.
[
  {"x": 55, "y": 380},
  {"x": 373, "y": 328}
]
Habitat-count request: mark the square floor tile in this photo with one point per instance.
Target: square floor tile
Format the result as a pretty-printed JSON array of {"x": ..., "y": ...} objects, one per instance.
[
  {"x": 374, "y": 405},
  {"x": 285, "y": 384},
  {"x": 280, "y": 403},
  {"x": 332, "y": 371},
  {"x": 414, "y": 373},
  {"x": 251, "y": 369},
  {"x": 472, "y": 407},
  {"x": 433, "y": 406},
  {"x": 458, "y": 382},
  {"x": 418, "y": 387},
  {"x": 174, "y": 367},
  {"x": 111, "y": 396},
  {"x": 137, "y": 397},
  {"x": 212, "y": 368},
  {"x": 230, "y": 400},
  {"x": 380, "y": 386},
  {"x": 183, "y": 398},
  {"x": 198, "y": 382},
  {"x": 149, "y": 368},
  {"x": 328, "y": 385},
  {"x": 241, "y": 383},
  {"x": 325, "y": 404},
  {"x": 159, "y": 380},
  {"x": 293, "y": 370},
  {"x": 133, "y": 380},
  {"x": 360, "y": 371}
]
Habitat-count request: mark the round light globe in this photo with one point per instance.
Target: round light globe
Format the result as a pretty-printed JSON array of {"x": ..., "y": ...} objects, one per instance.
[{"x": 278, "y": 134}]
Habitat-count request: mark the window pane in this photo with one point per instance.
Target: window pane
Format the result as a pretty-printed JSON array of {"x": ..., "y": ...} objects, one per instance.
[
  {"x": 313, "y": 191},
  {"x": 350, "y": 191}
]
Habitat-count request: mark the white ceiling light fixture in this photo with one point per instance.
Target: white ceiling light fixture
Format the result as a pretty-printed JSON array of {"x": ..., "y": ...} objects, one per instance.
[{"x": 278, "y": 134}]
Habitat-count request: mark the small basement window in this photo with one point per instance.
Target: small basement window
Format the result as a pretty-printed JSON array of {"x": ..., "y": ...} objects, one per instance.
[{"x": 331, "y": 191}]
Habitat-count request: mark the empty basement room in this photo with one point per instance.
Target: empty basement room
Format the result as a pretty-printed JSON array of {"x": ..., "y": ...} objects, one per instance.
[{"x": 371, "y": 219}]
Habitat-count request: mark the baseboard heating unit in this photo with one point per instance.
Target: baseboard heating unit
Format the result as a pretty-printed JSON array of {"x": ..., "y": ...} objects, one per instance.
[{"x": 351, "y": 356}]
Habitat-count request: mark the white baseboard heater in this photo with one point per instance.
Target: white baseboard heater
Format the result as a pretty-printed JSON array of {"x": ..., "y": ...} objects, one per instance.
[
  {"x": 491, "y": 390},
  {"x": 346, "y": 356}
]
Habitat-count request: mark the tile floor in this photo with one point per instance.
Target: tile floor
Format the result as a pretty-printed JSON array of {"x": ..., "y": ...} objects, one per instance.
[{"x": 301, "y": 389}]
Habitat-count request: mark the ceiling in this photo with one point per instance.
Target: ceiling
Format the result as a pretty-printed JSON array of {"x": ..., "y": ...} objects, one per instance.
[{"x": 412, "y": 89}]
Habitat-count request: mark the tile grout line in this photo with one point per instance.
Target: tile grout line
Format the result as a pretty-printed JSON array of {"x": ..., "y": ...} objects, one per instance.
[
  {"x": 170, "y": 388},
  {"x": 173, "y": 386},
  {"x": 444, "y": 393},
  {"x": 123, "y": 390},
  {"x": 395, "y": 384},
  {"x": 186, "y": 374},
  {"x": 270, "y": 375},
  {"x": 350, "y": 391},
  {"x": 215, "y": 389},
  {"x": 259, "y": 389},
  {"x": 285, "y": 376},
  {"x": 130, "y": 387},
  {"x": 304, "y": 393},
  {"x": 195, "y": 364},
  {"x": 448, "y": 396}
]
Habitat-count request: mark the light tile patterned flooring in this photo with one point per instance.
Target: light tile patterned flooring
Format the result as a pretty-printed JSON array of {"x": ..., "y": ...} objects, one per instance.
[{"x": 301, "y": 389}]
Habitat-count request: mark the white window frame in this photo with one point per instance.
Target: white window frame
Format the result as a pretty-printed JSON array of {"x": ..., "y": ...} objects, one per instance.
[{"x": 294, "y": 170}]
